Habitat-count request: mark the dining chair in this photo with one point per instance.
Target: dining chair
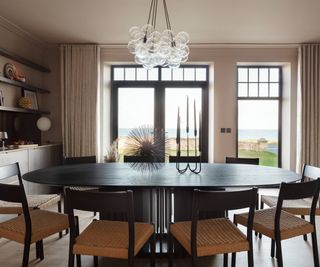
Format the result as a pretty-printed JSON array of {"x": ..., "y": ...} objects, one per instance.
[
  {"x": 253, "y": 161},
  {"x": 279, "y": 224},
  {"x": 80, "y": 160},
  {"x": 204, "y": 237},
  {"x": 34, "y": 224},
  {"x": 300, "y": 206},
  {"x": 184, "y": 159},
  {"x": 35, "y": 201},
  {"x": 121, "y": 239}
]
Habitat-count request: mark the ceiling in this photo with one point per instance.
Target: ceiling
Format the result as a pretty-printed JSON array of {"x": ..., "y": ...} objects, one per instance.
[{"x": 207, "y": 21}]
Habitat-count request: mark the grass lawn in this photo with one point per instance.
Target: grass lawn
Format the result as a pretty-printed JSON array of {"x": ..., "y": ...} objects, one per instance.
[{"x": 266, "y": 158}]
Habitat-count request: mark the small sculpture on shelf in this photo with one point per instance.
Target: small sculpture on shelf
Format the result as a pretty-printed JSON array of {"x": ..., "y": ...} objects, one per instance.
[
  {"x": 188, "y": 159},
  {"x": 11, "y": 72},
  {"x": 25, "y": 102}
]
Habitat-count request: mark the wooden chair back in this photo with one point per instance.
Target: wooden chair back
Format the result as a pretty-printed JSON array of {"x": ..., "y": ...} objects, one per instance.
[
  {"x": 184, "y": 159},
  {"x": 252, "y": 161},
  {"x": 296, "y": 191},
  {"x": 79, "y": 160},
  {"x": 310, "y": 173},
  {"x": 137, "y": 159},
  {"x": 15, "y": 192}
]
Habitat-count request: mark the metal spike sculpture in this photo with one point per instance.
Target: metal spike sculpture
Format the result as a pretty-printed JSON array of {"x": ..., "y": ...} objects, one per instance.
[
  {"x": 148, "y": 146},
  {"x": 196, "y": 159}
]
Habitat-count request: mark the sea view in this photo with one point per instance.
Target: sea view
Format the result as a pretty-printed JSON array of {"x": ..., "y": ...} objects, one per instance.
[{"x": 270, "y": 135}]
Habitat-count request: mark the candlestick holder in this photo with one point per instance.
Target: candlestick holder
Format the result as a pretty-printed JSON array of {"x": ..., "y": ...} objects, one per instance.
[
  {"x": 196, "y": 158},
  {"x": 191, "y": 163}
]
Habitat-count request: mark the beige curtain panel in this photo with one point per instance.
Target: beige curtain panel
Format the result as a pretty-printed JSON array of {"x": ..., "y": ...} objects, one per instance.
[
  {"x": 79, "y": 81},
  {"x": 310, "y": 103}
]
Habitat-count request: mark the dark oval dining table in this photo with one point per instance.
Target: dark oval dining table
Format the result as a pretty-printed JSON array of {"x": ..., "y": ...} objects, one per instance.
[
  {"x": 162, "y": 195},
  {"x": 123, "y": 175}
]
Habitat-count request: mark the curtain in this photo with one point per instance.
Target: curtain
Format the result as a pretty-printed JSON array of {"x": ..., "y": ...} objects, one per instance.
[
  {"x": 310, "y": 104},
  {"x": 79, "y": 82}
]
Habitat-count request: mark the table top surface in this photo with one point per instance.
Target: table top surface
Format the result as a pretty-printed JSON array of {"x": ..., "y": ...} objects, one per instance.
[{"x": 122, "y": 175}]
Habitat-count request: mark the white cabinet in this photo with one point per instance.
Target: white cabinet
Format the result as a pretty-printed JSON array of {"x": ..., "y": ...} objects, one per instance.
[{"x": 32, "y": 159}]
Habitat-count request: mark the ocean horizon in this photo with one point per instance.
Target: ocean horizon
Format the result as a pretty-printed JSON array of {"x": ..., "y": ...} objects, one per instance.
[{"x": 243, "y": 134}]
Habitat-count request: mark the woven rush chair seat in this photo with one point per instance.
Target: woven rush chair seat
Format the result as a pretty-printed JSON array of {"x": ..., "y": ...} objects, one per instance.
[
  {"x": 263, "y": 222},
  {"x": 111, "y": 239},
  {"x": 44, "y": 223},
  {"x": 297, "y": 207},
  {"x": 34, "y": 202},
  {"x": 206, "y": 234},
  {"x": 214, "y": 236},
  {"x": 83, "y": 188}
]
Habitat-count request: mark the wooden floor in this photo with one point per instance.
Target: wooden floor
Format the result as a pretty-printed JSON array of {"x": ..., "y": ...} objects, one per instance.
[{"x": 296, "y": 253}]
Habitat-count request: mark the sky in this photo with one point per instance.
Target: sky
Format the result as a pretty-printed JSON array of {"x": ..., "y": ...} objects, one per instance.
[{"x": 136, "y": 106}]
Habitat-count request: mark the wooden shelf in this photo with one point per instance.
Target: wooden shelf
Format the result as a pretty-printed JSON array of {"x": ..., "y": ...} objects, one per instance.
[
  {"x": 23, "y": 85},
  {"x": 23, "y": 110},
  {"x": 23, "y": 60}
]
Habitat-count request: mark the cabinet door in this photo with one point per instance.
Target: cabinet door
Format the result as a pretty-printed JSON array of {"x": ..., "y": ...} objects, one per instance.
[
  {"x": 10, "y": 157},
  {"x": 43, "y": 157}
]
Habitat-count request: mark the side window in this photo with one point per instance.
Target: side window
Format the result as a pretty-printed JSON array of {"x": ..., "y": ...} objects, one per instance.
[{"x": 259, "y": 110}]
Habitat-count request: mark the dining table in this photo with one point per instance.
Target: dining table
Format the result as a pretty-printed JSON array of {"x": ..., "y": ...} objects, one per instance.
[{"x": 161, "y": 195}]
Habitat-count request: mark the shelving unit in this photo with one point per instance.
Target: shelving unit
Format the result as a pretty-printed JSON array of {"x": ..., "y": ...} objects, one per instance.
[{"x": 23, "y": 85}]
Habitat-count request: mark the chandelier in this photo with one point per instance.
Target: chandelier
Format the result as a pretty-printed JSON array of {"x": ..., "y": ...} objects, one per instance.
[{"x": 153, "y": 48}]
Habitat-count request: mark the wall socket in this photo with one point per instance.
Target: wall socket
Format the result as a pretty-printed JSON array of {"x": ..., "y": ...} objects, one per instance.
[{"x": 225, "y": 130}]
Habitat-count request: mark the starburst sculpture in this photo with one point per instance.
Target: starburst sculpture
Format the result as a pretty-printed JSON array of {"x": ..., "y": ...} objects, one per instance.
[{"x": 145, "y": 148}]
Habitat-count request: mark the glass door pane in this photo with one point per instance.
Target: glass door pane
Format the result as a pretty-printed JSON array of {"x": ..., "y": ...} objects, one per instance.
[
  {"x": 135, "y": 109},
  {"x": 177, "y": 97},
  {"x": 258, "y": 130}
]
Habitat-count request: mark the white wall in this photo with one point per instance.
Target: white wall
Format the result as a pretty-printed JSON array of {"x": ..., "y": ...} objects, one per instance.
[{"x": 224, "y": 61}]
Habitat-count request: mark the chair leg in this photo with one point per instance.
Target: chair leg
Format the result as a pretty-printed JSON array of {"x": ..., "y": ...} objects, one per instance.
[
  {"x": 39, "y": 250},
  {"x": 261, "y": 207},
  {"x": 26, "y": 251},
  {"x": 225, "y": 260},
  {"x": 257, "y": 208},
  {"x": 305, "y": 237},
  {"x": 95, "y": 261},
  {"x": 272, "y": 247},
  {"x": 78, "y": 257},
  {"x": 71, "y": 260},
  {"x": 279, "y": 253},
  {"x": 153, "y": 250},
  {"x": 59, "y": 210},
  {"x": 193, "y": 261},
  {"x": 315, "y": 249},
  {"x": 64, "y": 207},
  {"x": 170, "y": 248},
  {"x": 131, "y": 261},
  {"x": 250, "y": 258},
  {"x": 233, "y": 259}
]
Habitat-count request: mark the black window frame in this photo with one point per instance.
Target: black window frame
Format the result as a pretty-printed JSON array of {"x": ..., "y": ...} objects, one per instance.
[
  {"x": 278, "y": 98},
  {"x": 159, "y": 99}
]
